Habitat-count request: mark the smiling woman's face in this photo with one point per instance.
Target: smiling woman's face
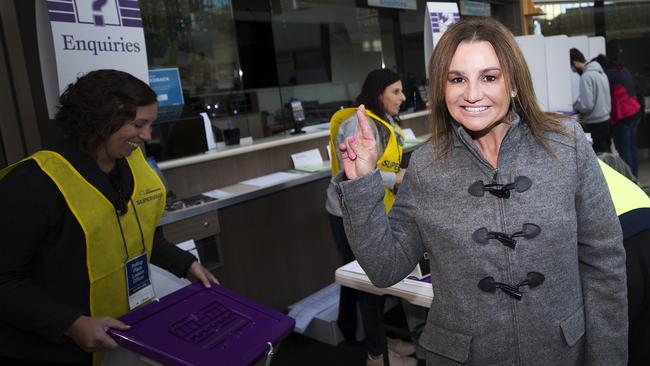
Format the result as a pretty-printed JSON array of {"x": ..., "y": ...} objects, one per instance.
[
  {"x": 121, "y": 143},
  {"x": 392, "y": 98},
  {"x": 475, "y": 93}
]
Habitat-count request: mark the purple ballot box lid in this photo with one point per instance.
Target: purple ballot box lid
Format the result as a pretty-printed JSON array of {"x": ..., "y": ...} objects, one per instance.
[{"x": 198, "y": 326}]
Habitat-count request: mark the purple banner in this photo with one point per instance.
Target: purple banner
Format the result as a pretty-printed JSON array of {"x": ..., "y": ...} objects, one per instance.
[
  {"x": 56, "y": 6},
  {"x": 130, "y": 13},
  {"x": 62, "y": 17},
  {"x": 136, "y": 23},
  {"x": 129, "y": 4}
]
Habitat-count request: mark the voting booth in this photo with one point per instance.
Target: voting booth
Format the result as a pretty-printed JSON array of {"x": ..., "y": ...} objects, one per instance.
[{"x": 555, "y": 84}]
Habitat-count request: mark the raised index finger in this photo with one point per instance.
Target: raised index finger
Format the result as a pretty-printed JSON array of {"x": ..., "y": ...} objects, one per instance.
[{"x": 364, "y": 128}]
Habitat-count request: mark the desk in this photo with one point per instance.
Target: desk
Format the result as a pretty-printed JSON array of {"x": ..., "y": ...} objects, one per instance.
[
  {"x": 278, "y": 234},
  {"x": 416, "y": 292}
]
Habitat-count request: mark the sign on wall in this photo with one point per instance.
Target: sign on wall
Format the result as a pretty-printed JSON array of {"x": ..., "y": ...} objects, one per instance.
[
  {"x": 475, "y": 8},
  {"x": 167, "y": 85},
  {"x": 438, "y": 17},
  {"x": 97, "y": 34},
  {"x": 396, "y": 4}
]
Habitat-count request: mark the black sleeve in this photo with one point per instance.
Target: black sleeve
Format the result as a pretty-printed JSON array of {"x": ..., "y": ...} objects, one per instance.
[
  {"x": 28, "y": 218},
  {"x": 168, "y": 256}
]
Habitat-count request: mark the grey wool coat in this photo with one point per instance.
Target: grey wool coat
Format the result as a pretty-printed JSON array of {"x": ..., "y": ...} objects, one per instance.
[{"x": 576, "y": 316}]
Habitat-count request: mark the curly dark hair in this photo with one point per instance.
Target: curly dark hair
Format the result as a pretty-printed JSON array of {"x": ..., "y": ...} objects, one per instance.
[{"x": 99, "y": 104}]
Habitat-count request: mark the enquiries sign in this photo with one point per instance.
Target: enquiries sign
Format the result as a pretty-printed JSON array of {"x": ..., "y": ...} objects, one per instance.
[
  {"x": 97, "y": 34},
  {"x": 437, "y": 18}
]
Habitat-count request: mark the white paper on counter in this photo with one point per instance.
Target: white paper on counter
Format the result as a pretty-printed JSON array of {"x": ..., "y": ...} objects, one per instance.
[
  {"x": 218, "y": 194},
  {"x": 409, "y": 135},
  {"x": 272, "y": 179},
  {"x": 307, "y": 158}
]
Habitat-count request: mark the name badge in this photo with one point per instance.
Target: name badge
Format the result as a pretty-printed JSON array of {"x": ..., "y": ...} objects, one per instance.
[{"x": 138, "y": 283}]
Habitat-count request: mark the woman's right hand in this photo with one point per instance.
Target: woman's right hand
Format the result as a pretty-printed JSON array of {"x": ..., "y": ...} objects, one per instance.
[
  {"x": 89, "y": 332},
  {"x": 359, "y": 153}
]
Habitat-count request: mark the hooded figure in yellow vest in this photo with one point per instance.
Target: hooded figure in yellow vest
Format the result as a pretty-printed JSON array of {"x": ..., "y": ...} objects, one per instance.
[
  {"x": 633, "y": 209},
  {"x": 73, "y": 220},
  {"x": 382, "y": 96}
]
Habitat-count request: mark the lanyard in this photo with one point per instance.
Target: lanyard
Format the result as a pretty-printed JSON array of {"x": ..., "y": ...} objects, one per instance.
[{"x": 137, "y": 219}]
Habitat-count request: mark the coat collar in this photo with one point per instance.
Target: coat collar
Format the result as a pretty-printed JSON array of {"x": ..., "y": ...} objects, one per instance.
[{"x": 461, "y": 139}]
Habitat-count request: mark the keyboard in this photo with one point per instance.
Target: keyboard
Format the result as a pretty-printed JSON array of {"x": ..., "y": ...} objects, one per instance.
[
  {"x": 210, "y": 326},
  {"x": 178, "y": 204}
]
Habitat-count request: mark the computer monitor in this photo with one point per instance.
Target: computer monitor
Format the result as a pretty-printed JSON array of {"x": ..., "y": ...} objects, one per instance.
[{"x": 176, "y": 134}]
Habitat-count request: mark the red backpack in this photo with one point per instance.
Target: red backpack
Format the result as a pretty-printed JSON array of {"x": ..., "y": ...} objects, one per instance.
[{"x": 623, "y": 106}]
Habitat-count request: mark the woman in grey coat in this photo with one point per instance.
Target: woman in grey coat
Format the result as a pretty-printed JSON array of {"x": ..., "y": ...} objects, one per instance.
[{"x": 526, "y": 253}]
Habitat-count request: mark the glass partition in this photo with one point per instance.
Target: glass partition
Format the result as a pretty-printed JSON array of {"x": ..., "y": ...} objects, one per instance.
[
  {"x": 198, "y": 37},
  {"x": 245, "y": 62},
  {"x": 323, "y": 52}
]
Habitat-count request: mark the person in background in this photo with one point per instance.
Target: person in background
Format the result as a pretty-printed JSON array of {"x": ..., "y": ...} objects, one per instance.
[
  {"x": 593, "y": 104},
  {"x": 633, "y": 209},
  {"x": 382, "y": 93},
  {"x": 74, "y": 216},
  {"x": 525, "y": 248},
  {"x": 626, "y": 110}
]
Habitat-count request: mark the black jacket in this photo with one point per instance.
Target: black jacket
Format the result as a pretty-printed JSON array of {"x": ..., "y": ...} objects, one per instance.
[
  {"x": 43, "y": 275},
  {"x": 636, "y": 239}
]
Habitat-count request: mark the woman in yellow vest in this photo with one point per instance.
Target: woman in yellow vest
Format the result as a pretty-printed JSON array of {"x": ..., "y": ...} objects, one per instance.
[
  {"x": 382, "y": 95},
  {"x": 79, "y": 224}
]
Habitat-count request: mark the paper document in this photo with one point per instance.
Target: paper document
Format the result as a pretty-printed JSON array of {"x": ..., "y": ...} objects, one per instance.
[
  {"x": 305, "y": 310},
  {"x": 354, "y": 267},
  {"x": 189, "y": 246},
  {"x": 209, "y": 135},
  {"x": 309, "y": 160},
  {"x": 218, "y": 194},
  {"x": 424, "y": 282},
  {"x": 313, "y": 168},
  {"x": 409, "y": 135},
  {"x": 272, "y": 179}
]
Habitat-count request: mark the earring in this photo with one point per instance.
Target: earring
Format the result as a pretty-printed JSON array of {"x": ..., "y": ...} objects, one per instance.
[{"x": 513, "y": 94}]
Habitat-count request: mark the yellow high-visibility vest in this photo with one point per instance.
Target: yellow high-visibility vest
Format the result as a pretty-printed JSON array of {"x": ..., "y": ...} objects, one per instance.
[
  {"x": 626, "y": 195},
  {"x": 388, "y": 162},
  {"x": 105, "y": 246}
]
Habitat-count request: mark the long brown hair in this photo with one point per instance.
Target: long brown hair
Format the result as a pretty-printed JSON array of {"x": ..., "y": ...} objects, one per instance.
[{"x": 513, "y": 66}]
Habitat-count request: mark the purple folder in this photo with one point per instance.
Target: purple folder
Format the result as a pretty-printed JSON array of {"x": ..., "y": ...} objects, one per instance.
[{"x": 199, "y": 326}]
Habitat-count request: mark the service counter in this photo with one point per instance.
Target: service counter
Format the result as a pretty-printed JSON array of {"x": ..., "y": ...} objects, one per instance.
[{"x": 272, "y": 244}]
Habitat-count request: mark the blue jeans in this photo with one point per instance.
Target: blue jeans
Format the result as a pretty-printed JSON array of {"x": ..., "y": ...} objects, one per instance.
[{"x": 624, "y": 135}]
